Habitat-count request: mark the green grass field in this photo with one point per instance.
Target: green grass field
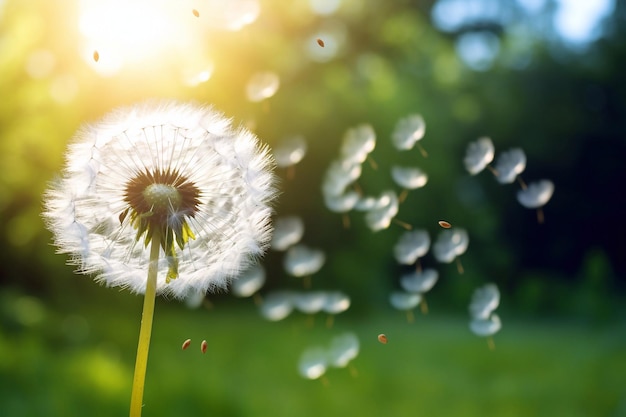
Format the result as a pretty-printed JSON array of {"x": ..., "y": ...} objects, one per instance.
[{"x": 81, "y": 364}]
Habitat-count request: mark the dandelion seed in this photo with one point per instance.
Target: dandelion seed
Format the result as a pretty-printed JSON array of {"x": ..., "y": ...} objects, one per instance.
[
  {"x": 313, "y": 362},
  {"x": 479, "y": 155},
  {"x": 382, "y": 339},
  {"x": 419, "y": 282},
  {"x": 411, "y": 246},
  {"x": 444, "y": 224},
  {"x": 96, "y": 56},
  {"x": 379, "y": 217},
  {"x": 300, "y": 260},
  {"x": 262, "y": 85},
  {"x": 536, "y": 195},
  {"x": 509, "y": 165},
  {"x": 309, "y": 302},
  {"x": 195, "y": 13},
  {"x": 485, "y": 300},
  {"x": 249, "y": 282},
  {"x": 186, "y": 344},
  {"x": 405, "y": 302},
  {"x": 408, "y": 131},
  {"x": 450, "y": 244},
  {"x": 343, "y": 349},
  {"x": 320, "y": 42},
  {"x": 277, "y": 305},
  {"x": 288, "y": 230},
  {"x": 290, "y": 151},
  {"x": 357, "y": 144},
  {"x": 203, "y": 346}
]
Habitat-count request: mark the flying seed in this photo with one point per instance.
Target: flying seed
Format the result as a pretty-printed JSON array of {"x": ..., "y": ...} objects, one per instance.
[
  {"x": 96, "y": 56},
  {"x": 203, "y": 346},
  {"x": 382, "y": 338},
  {"x": 320, "y": 42},
  {"x": 444, "y": 224},
  {"x": 195, "y": 13},
  {"x": 186, "y": 344}
]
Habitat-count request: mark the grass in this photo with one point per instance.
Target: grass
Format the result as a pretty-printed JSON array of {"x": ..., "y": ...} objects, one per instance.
[{"x": 80, "y": 364}]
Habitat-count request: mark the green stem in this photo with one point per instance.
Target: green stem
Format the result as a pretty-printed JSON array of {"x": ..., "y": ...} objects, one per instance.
[{"x": 136, "y": 399}]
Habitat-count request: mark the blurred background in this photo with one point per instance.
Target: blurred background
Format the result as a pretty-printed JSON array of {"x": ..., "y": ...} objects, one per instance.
[{"x": 542, "y": 75}]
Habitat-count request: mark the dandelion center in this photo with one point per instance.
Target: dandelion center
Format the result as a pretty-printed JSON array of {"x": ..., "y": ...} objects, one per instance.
[{"x": 161, "y": 202}]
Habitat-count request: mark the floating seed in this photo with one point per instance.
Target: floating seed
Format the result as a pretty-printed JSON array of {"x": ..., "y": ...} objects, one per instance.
[
  {"x": 382, "y": 338},
  {"x": 444, "y": 224},
  {"x": 320, "y": 42},
  {"x": 96, "y": 56},
  {"x": 186, "y": 344},
  {"x": 203, "y": 346},
  {"x": 195, "y": 13}
]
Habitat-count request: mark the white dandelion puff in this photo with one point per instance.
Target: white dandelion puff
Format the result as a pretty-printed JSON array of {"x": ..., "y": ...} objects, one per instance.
[
  {"x": 343, "y": 349},
  {"x": 262, "y": 85},
  {"x": 485, "y": 300},
  {"x": 537, "y": 194},
  {"x": 249, "y": 281},
  {"x": 509, "y": 165},
  {"x": 379, "y": 217},
  {"x": 486, "y": 327},
  {"x": 177, "y": 172},
  {"x": 408, "y": 177},
  {"x": 277, "y": 305},
  {"x": 411, "y": 246},
  {"x": 479, "y": 155},
  {"x": 301, "y": 260},
  {"x": 408, "y": 131},
  {"x": 288, "y": 230},
  {"x": 357, "y": 144},
  {"x": 313, "y": 362},
  {"x": 419, "y": 281},
  {"x": 290, "y": 151},
  {"x": 450, "y": 244}
]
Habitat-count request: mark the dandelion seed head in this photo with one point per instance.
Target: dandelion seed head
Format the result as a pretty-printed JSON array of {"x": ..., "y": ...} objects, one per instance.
[{"x": 177, "y": 170}]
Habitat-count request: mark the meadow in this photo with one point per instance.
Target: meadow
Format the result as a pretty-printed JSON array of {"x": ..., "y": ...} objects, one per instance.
[{"x": 80, "y": 363}]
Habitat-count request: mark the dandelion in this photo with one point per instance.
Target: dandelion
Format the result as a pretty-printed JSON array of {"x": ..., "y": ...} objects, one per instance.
[
  {"x": 450, "y": 244},
  {"x": 290, "y": 152},
  {"x": 536, "y": 195},
  {"x": 408, "y": 131},
  {"x": 162, "y": 198},
  {"x": 485, "y": 300},
  {"x": 336, "y": 302},
  {"x": 343, "y": 349},
  {"x": 483, "y": 321},
  {"x": 411, "y": 246},
  {"x": 408, "y": 178},
  {"x": 249, "y": 282},
  {"x": 277, "y": 305},
  {"x": 509, "y": 165},
  {"x": 262, "y": 85},
  {"x": 313, "y": 362},
  {"x": 420, "y": 282},
  {"x": 357, "y": 144},
  {"x": 406, "y": 302},
  {"x": 309, "y": 302},
  {"x": 288, "y": 230},
  {"x": 379, "y": 217},
  {"x": 479, "y": 155},
  {"x": 302, "y": 261}
]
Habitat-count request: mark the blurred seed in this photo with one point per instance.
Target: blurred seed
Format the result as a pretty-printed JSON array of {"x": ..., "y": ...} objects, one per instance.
[
  {"x": 186, "y": 344},
  {"x": 96, "y": 56},
  {"x": 382, "y": 339},
  {"x": 320, "y": 42},
  {"x": 196, "y": 13},
  {"x": 203, "y": 346},
  {"x": 444, "y": 224}
]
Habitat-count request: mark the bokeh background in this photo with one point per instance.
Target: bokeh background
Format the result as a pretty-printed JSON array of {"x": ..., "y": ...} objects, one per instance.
[{"x": 543, "y": 75}]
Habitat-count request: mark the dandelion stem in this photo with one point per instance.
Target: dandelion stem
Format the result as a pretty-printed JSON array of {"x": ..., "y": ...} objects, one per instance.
[{"x": 136, "y": 399}]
